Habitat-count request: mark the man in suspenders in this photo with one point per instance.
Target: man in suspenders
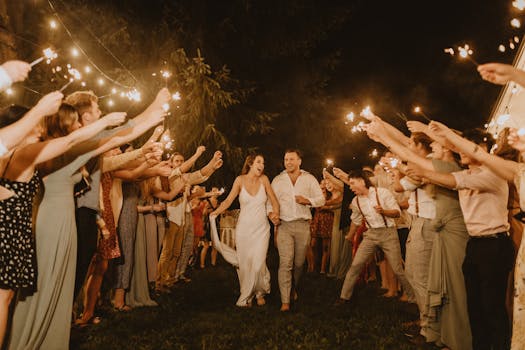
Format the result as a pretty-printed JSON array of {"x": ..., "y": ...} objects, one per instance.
[{"x": 377, "y": 207}]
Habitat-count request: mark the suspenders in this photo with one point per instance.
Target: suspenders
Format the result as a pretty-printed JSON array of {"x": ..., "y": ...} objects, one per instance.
[
  {"x": 417, "y": 203},
  {"x": 378, "y": 203}
]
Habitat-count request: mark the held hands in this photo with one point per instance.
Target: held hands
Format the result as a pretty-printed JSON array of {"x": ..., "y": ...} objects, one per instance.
[
  {"x": 114, "y": 119},
  {"x": 274, "y": 218},
  {"x": 497, "y": 73},
  {"x": 17, "y": 70},
  {"x": 49, "y": 104}
]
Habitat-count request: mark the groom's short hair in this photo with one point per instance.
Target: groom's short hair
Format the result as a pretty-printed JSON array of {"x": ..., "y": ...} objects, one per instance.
[{"x": 294, "y": 150}]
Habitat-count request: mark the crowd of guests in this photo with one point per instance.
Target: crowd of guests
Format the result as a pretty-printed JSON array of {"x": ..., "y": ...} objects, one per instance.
[
  {"x": 77, "y": 201},
  {"x": 84, "y": 215}
]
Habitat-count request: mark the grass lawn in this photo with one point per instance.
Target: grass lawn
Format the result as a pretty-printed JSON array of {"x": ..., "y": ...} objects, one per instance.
[{"x": 202, "y": 315}]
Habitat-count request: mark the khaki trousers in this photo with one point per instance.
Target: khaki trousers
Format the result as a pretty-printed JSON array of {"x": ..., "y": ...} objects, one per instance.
[{"x": 292, "y": 240}]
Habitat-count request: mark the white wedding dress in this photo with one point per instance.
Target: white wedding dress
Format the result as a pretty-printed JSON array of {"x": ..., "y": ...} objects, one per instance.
[{"x": 252, "y": 234}]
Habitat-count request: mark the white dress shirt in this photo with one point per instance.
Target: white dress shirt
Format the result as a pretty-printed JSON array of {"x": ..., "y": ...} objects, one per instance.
[
  {"x": 367, "y": 204},
  {"x": 306, "y": 186},
  {"x": 424, "y": 207}
]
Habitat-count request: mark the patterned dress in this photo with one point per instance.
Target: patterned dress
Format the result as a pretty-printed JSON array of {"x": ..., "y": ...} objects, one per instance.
[
  {"x": 322, "y": 222},
  {"x": 17, "y": 246}
]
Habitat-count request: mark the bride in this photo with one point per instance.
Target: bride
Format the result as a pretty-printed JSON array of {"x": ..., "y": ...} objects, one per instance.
[{"x": 252, "y": 232}]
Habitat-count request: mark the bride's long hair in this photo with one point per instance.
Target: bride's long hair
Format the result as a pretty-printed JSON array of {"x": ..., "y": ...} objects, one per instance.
[{"x": 249, "y": 162}]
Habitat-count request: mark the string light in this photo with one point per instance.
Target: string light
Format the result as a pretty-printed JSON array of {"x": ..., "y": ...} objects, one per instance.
[
  {"x": 87, "y": 69},
  {"x": 501, "y": 48},
  {"x": 515, "y": 23},
  {"x": 53, "y": 24},
  {"x": 111, "y": 103},
  {"x": 74, "y": 52},
  {"x": 9, "y": 92},
  {"x": 100, "y": 81},
  {"x": 374, "y": 153},
  {"x": 350, "y": 116}
]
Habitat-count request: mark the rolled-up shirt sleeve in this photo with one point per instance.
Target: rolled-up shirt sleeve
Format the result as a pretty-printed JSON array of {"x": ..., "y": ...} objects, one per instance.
[
  {"x": 195, "y": 178},
  {"x": 317, "y": 197},
  {"x": 119, "y": 161},
  {"x": 356, "y": 216},
  {"x": 390, "y": 202},
  {"x": 407, "y": 184},
  {"x": 481, "y": 179}
]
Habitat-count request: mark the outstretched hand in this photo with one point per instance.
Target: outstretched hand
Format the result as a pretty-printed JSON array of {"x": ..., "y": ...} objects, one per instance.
[
  {"x": 49, "y": 104},
  {"x": 497, "y": 73},
  {"x": 516, "y": 140},
  {"x": 115, "y": 118},
  {"x": 416, "y": 126},
  {"x": 17, "y": 70}
]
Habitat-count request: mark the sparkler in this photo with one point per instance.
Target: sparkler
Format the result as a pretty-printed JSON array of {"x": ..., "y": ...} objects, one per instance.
[
  {"x": 463, "y": 52},
  {"x": 49, "y": 54},
  {"x": 419, "y": 111}
]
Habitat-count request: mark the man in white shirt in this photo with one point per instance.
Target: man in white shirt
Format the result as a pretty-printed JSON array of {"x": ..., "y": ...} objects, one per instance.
[
  {"x": 297, "y": 191},
  {"x": 378, "y": 208},
  {"x": 422, "y": 210}
]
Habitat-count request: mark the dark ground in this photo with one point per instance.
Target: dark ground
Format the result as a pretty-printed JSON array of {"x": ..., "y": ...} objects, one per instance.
[{"x": 202, "y": 315}]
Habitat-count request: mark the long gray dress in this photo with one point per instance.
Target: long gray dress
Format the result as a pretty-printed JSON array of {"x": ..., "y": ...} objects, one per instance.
[
  {"x": 447, "y": 298},
  {"x": 138, "y": 294},
  {"x": 43, "y": 320},
  {"x": 127, "y": 228}
]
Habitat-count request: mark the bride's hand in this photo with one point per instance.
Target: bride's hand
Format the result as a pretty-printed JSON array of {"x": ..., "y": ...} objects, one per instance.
[{"x": 213, "y": 215}]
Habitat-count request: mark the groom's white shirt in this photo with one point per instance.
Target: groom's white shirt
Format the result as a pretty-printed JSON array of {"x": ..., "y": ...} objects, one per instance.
[{"x": 306, "y": 186}]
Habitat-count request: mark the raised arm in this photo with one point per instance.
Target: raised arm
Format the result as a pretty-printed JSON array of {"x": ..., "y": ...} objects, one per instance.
[
  {"x": 13, "y": 134},
  {"x": 501, "y": 74},
  {"x": 44, "y": 151},
  {"x": 236, "y": 188},
  {"x": 442, "y": 179},
  {"x": 338, "y": 184},
  {"x": 188, "y": 164},
  {"x": 376, "y": 132},
  {"x": 506, "y": 169}
]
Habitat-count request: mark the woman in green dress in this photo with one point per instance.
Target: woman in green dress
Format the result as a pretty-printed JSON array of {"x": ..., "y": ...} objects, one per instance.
[{"x": 447, "y": 320}]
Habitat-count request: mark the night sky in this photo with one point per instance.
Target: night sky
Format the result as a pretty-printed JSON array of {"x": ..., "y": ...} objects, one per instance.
[
  {"x": 386, "y": 54},
  {"x": 393, "y": 59}
]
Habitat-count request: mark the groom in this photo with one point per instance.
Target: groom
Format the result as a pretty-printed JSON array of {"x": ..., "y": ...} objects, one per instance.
[{"x": 297, "y": 191}]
